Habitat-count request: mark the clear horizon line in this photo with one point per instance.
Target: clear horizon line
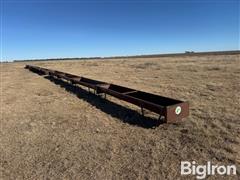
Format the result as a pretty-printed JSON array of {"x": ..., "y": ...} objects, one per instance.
[{"x": 129, "y": 56}]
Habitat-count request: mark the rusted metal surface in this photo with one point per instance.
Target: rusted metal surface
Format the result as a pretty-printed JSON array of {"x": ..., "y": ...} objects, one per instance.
[{"x": 171, "y": 109}]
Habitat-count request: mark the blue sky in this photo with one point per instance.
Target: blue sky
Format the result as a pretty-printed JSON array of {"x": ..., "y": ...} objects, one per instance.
[{"x": 51, "y": 29}]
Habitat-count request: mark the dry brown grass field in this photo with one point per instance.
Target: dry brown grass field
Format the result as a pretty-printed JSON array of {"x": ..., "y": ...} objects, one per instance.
[{"x": 51, "y": 130}]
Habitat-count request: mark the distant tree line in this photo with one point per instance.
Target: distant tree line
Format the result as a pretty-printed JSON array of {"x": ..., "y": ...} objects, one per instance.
[{"x": 187, "y": 53}]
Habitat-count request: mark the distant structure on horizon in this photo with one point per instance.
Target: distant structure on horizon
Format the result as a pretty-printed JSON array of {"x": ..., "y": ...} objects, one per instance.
[{"x": 188, "y": 52}]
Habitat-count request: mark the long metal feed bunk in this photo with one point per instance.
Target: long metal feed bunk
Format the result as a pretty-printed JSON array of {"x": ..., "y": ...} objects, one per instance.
[{"x": 171, "y": 109}]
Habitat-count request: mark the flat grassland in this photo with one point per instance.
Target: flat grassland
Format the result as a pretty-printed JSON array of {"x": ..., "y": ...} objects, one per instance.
[{"x": 50, "y": 130}]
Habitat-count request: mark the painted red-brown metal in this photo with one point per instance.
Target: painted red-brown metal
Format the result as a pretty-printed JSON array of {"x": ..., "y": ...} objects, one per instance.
[{"x": 173, "y": 110}]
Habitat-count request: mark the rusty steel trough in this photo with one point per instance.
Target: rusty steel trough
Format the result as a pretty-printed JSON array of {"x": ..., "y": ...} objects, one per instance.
[{"x": 171, "y": 110}]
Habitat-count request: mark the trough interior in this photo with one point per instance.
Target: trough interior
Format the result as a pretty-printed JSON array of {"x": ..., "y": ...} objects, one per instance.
[
  {"x": 119, "y": 89},
  {"x": 159, "y": 100}
]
